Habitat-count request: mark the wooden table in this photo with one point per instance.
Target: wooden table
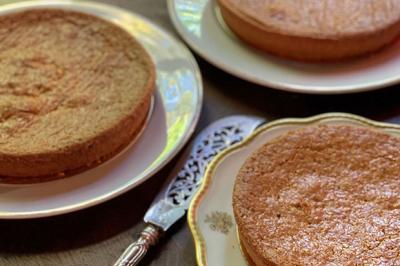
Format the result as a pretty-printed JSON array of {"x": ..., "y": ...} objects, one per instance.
[{"x": 98, "y": 235}]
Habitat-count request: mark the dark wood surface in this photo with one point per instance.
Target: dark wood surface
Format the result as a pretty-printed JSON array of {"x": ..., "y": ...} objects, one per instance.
[{"x": 98, "y": 235}]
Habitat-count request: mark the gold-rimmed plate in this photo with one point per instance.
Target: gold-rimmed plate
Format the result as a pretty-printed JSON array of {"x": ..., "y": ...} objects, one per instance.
[
  {"x": 210, "y": 215},
  {"x": 177, "y": 105}
]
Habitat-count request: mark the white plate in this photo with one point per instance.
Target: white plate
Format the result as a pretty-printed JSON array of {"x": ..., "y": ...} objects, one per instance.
[
  {"x": 200, "y": 24},
  {"x": 176, "y": 110},
  {"x": 210, "y": 214}
]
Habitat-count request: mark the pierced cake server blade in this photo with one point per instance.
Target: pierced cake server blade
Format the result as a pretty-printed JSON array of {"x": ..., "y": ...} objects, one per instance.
[{"x": 174, "y": 198}]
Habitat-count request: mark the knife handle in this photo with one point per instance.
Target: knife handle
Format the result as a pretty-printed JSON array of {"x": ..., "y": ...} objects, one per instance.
[{"x": 138, "y": 249}]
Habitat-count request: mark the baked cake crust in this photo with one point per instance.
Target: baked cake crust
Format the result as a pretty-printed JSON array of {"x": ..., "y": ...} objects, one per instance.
[
  {"x": 75, "y": 89},
  {"x": 319, "y": 195},
  {"x": 314, "y": 30}
]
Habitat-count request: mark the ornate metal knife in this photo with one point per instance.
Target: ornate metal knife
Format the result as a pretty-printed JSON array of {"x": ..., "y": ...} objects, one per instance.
[{"x": 174, "y": 198}]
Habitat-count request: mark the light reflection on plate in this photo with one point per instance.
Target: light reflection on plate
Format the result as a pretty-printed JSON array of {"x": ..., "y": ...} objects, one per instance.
[{"x": 177, "y": 105}]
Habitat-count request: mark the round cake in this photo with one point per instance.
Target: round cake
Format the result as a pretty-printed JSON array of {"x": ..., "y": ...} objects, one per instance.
[
  {"x": 321, "y": 195},
  {"x": 314, "y": 30},
  {"x": 74, "y": 90}
]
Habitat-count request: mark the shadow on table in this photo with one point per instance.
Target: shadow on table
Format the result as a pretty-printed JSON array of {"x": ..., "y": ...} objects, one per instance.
[
  {"x": 226, "y": 94},
  {"x": 81, "y": 228}
]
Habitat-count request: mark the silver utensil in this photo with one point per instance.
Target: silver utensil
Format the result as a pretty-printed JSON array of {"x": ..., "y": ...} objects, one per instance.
[{"x": 174, "y": 198}]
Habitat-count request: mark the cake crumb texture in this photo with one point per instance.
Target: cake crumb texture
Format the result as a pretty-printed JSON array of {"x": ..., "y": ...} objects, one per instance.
[
  {"x": 69, "y": 84},
  {"x": 321, "y": 18},
  {"x": 322, "y": 195}
]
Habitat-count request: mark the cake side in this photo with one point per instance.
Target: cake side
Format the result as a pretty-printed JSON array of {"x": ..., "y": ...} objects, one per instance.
[{"x": 312, "y": 43}]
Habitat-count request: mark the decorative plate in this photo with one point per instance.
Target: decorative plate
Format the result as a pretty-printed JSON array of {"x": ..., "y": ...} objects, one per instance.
[
  {"x": 177, "y": 105},
  {"x": 200, "y": 24},
  {"x": 210, "y": 214}
]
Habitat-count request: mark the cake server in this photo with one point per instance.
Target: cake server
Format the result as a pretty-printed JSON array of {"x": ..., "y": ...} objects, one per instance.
[{"x": 174, "y": 198}]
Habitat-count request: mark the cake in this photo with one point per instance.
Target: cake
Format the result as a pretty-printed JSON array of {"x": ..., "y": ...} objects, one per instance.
[
  {"x": 314, "y": 30},
  {"x": 74, "y": 90},
  {"x": 321, "y": 195}
]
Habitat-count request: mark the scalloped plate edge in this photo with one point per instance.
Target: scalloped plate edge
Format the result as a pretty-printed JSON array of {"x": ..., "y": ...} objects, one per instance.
[{"x": 200, "y": 243}]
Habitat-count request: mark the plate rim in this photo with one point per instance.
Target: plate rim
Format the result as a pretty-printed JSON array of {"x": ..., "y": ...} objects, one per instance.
[
  {"x": 199, "y": 241},
  {"x": 316, "y": 90},
  {"x": 185, "y": 137}
]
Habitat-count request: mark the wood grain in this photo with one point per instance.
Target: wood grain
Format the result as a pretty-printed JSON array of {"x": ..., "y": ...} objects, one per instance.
[{"x": 98, "y": 235}]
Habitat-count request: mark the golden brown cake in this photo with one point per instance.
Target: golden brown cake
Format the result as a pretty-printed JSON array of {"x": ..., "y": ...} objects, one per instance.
[
  {"x": 314, "y": 30},
  {"x": 321, "y": 195},
  {"x": 74, "y": 90}
]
